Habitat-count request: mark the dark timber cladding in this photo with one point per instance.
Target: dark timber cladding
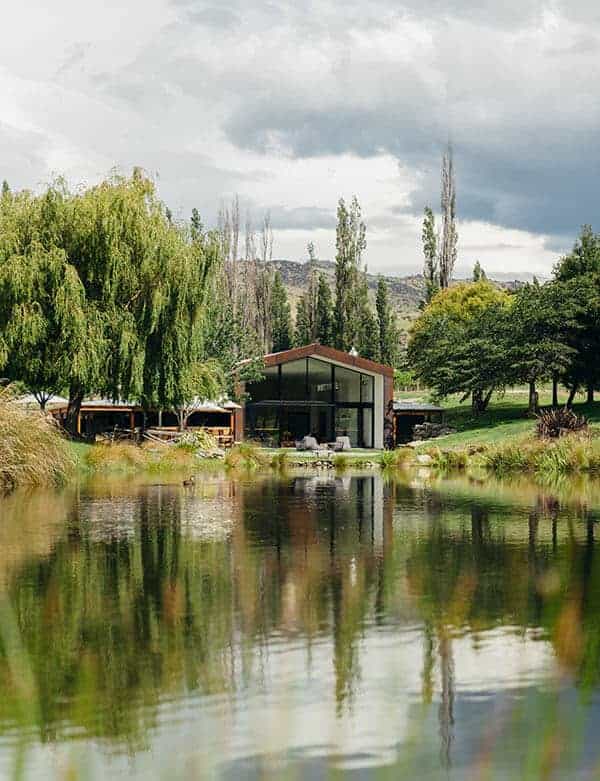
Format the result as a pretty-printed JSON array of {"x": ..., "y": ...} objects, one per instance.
[{"x": 321, "y": 392}]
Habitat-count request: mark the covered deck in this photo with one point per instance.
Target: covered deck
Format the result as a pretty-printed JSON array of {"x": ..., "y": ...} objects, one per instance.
[{"x": 127, "y": 420}]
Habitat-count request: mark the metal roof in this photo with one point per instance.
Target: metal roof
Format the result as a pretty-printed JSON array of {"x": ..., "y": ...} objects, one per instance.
[{"x": 414, "y": 406}]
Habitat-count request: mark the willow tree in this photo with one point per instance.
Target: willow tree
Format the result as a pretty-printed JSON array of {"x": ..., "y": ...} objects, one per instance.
[
  {"x": 134, "y": 281},
  {"x": 48, "y": 337}
]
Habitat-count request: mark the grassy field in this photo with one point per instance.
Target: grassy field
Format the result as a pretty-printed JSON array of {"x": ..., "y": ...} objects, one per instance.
[{"x": 505, "y": 419}]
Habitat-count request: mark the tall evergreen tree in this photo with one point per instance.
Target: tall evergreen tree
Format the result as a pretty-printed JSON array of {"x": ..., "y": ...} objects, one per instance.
[
  {"x": 430, "y": 250},
  {"x": 302, "y": 334},
  {"x": 350, "y": 244},
  {"x": 324, "y": 326},
  {"x": 281, "y": 320},
  {"x": 367, "y": 330},
  {"x": 388, "y": 329}
]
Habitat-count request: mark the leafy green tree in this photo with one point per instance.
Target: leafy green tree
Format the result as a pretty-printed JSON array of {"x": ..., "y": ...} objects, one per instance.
[
  {"x": 350, "y": 245},
  {"x": 430, "y": 250},
  {"x": 388, "y": 328},
  {"x": 324, "y": 326},
  {"x": 581, "y": 268},
  {"x": 459, "y": 344},
  {"x": 281, "y": 320},
  {"x": 542, "y": 316}
]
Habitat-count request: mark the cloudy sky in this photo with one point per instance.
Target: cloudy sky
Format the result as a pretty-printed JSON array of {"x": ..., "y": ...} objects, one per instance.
[{"x": 294, "y": 103}]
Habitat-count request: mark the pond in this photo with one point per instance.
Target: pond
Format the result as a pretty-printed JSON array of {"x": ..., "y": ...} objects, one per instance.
[{"x": 300, "y": 626}]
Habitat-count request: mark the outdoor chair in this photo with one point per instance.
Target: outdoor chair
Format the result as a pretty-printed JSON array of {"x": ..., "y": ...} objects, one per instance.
[{"x": 307, "y": 443}]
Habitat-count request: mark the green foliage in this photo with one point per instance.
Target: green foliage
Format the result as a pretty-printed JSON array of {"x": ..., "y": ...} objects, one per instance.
[
  {"x": 580, "y": 274},
  {"x": 324, "y": 324},
  {"x": 32, "y": 450},
  {"x": 430, "y": 250},
  {"x": 459, "y": 343},
  {"x": 566, "y": 455},
  {"x": 302, "y": 334},
  {"x": 246, "y": 457},
  {"x": 404, "y": 379},
  {"x": 389, "y": 338},
  {"x": 393, "y": 459},
  {"x": 109, "y": 293},
  {"x": 350, "y": 244},
  {"x": 281, "y": 319}
]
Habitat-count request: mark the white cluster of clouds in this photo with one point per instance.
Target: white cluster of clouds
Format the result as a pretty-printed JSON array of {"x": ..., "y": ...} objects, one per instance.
[{"x": 294, "y": 104}]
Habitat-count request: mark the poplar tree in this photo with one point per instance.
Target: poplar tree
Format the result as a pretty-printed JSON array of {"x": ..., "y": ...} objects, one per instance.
[
  {"x": 430, "y": 250},
  {"x": 388, "y": 329},
  {"x": 324, "y": 326},
  {"x": 302, "y": 333},
  {"x": 449, "y": 238},
  {"x": 281, "y": 320},
  {"x": 350, "y": 244}
]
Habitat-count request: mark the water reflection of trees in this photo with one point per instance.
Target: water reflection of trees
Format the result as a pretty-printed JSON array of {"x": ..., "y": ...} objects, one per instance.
[{"x": 122, "y": 611}]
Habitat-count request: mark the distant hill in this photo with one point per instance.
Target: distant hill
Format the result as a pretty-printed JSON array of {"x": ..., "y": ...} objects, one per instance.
[{"x": 406, "y": 293}]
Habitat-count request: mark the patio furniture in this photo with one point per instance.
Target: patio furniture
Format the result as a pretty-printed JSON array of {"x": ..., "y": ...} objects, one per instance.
[
  {"x": 307, "y": 443},
  {"x": 341, "y": 444}
]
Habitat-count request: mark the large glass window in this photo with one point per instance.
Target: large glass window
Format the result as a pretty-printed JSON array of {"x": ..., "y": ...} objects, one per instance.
[
  {"x": 266, "y": 389},
  {"x": 319, "y": 381},
  {"x": 346, "y": 424},
  {"x": 367, "y": 391},
  {"x": 293, "y": 381},
  {"x": 262, "y": 424},
  {"x": 347, "y": 386}
]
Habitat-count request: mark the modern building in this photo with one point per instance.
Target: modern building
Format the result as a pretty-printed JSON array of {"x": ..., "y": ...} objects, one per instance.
[{"x": 318, "y": 391}]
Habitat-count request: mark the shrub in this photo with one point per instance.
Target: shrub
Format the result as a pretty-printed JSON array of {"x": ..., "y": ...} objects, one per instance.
[
  {"x": 198, "y": 440},
  {"x": 32, "y": 448},
  {"x": 449, "y": 460},
  {"x": 554, "y": 423}
]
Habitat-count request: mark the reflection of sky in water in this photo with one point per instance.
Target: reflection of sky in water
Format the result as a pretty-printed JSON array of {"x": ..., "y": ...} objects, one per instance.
[{"x": 348, "y": 640}]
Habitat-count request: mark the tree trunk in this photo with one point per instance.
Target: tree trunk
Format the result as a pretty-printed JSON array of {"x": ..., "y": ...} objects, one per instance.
[
  {"x": 533, "y": 398},
  {"x": 590, "y": 394},
  {"x": 480, "y": 402},
  {"x": 76, "y": 394},
  {"x": 555, "y": 389},
  {"x": 572, "y": 393}
]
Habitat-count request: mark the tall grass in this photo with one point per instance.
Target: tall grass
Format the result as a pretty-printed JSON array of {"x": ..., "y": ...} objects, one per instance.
[
  {"x": 32, "y": 449},
  {"x": 393, "y": 459},
  {"x": 246, "y": 457},
  {"x": 129, "y": 457},
  {"x": 570, "y": 454}
]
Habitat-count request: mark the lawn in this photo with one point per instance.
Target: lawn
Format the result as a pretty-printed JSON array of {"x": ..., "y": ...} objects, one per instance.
[{"x": 505, "y": 418}]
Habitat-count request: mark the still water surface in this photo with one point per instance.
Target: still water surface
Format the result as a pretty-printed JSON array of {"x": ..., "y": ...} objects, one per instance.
[{"x": 300, "y": 627}]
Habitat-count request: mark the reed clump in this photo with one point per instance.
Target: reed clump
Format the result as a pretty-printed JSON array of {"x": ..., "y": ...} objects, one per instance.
[
  {"x": 570, "y": 454},
  {"x": 32, "y": 448},
  {"x": 246, "y": 457},
  {"x": 129, "y": 457},
  {"x": 394, "y": 459},
  {"x": 449, "y": 460}
]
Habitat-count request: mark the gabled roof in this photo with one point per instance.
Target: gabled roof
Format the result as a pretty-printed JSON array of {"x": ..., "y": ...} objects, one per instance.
[
  {"x": 339, "y": 356},
  {"x": 416, "y": 406}
]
